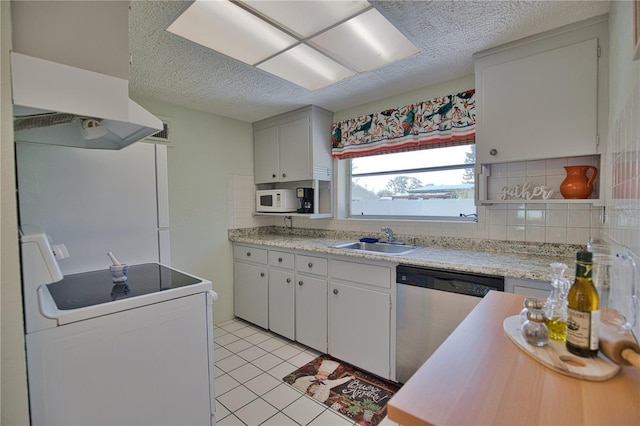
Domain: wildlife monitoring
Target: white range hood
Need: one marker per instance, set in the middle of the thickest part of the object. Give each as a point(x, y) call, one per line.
point(63, 105)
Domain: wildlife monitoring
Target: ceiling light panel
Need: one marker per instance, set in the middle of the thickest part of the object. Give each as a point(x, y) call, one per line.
point(365, 42)
point(307, 17)
point(231, 30)
point(306, 67)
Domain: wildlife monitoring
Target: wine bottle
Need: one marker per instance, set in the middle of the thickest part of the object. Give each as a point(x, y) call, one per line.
point(583, 316)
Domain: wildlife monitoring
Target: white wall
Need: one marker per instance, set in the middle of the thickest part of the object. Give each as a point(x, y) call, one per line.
point(623, 208)
point(207, 150)
point(50, 30)
point(13, 382)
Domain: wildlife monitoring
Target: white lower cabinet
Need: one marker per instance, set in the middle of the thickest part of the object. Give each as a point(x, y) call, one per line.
point(251, 285)
point(282, 303)
point(336, 306)
point(360, 327)
point(311, 312)
point(282, 293)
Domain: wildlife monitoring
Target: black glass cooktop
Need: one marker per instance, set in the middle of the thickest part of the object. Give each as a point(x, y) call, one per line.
point(97, 287)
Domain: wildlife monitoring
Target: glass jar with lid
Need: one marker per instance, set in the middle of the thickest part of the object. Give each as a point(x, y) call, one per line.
point(534, 329)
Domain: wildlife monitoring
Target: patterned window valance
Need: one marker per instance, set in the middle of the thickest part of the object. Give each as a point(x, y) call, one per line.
point(446, 121)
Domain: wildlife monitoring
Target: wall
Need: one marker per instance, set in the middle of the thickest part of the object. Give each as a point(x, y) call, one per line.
point(13, 380)
point(206, 152)
point(50, 29)
point(553, 223)
point(623, 207)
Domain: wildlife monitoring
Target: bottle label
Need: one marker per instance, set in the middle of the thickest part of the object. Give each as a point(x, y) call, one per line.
point(582, 328)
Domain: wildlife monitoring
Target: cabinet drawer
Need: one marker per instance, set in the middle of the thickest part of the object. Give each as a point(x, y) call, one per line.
point(281, 259)
point(378, 276)
point(311, 265)
point(250, 254)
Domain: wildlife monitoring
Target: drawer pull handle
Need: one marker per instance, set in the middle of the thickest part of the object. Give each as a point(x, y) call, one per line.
point(300, 283)
point(280, 260)
point(262, 274)
point(310, 265)
point(288, 280)
point(335, 291)
point(493, 151)
point(284, 175)
point(248, 253)
point(273, 175)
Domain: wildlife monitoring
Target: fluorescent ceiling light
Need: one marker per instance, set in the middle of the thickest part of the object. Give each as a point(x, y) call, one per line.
point(308, 42)
point(306, 67)
point(226, 28)
point(366, 42)
point(306, 18)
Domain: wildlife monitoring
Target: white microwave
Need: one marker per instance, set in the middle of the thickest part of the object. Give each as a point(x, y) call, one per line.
point(276, 200)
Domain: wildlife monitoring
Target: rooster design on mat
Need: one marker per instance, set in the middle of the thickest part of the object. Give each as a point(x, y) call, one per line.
point(318, 385)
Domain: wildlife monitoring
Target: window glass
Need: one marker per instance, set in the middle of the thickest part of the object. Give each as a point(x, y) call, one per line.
point(427, 184)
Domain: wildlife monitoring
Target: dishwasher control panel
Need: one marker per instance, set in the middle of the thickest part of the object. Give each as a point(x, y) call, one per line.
point(456, 282)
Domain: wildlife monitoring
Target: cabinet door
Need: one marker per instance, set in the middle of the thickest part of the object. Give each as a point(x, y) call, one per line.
point(265, 155)
point(539, 106)
point(282, 303)
point(360, 327)
point(295, 154)
point(250, 293)
point(311, 312)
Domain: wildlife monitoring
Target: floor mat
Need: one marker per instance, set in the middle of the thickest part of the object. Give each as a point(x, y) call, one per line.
point(359, 395)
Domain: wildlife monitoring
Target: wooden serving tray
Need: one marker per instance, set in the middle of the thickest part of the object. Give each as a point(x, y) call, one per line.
point(555, 356)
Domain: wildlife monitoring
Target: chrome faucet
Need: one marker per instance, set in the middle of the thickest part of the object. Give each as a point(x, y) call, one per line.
point(389, 233)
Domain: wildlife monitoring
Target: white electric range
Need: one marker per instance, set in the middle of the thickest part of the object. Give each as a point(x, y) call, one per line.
point(100, 352)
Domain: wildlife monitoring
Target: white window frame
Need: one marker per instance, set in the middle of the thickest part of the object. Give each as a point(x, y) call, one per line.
point(471, 217)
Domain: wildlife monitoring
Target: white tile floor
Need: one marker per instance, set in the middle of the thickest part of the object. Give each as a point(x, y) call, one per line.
point(250, 364)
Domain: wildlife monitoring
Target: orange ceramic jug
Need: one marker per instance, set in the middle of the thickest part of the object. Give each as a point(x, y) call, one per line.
point(577, 184)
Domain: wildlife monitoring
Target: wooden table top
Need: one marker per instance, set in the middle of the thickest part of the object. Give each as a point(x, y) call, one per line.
point(479, 377)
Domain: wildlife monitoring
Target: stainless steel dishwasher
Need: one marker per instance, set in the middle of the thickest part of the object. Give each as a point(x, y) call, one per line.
point(430, 304)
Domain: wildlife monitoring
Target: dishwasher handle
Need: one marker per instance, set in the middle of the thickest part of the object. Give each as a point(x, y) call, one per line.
point(464, 283)
point(455, 286)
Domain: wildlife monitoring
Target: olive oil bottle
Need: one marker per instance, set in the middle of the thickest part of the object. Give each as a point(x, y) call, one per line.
point(583, 316)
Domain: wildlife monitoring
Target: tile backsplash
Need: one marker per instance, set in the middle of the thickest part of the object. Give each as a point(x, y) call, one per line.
point(622, 217)
point(242, 204)
point(549, 173)
point(560, 223)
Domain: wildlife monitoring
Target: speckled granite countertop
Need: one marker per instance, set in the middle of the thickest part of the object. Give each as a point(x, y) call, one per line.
point(493, 258)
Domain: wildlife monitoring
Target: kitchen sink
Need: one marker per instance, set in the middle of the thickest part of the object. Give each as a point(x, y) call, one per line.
point(385, 248)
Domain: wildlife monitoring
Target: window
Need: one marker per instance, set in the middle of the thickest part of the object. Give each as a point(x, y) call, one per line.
point(433, 183)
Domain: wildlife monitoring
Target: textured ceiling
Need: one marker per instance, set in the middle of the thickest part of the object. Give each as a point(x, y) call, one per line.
point(170, 69)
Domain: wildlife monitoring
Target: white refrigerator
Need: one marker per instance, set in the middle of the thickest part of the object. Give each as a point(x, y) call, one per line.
point(95, 201)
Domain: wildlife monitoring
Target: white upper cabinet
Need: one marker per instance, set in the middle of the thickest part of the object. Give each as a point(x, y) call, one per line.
point(293, 146)
point(266, 155)
point(541, 97)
